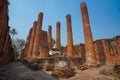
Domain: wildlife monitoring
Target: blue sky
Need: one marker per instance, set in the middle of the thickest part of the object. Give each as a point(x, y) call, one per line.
point(104, 17)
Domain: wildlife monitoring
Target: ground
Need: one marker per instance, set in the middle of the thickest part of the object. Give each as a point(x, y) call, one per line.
point(18, 71)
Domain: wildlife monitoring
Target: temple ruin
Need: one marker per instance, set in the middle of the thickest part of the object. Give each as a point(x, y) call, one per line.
point(104, 51)
point(39, 42)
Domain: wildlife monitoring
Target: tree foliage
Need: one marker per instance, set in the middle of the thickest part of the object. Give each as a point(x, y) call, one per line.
point(13, 32)
point(17, 44)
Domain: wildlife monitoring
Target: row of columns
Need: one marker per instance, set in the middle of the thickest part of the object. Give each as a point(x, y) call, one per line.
point(36, 31)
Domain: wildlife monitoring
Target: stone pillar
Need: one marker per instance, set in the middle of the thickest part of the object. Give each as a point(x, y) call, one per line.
point(90, 55)
point(70, 51)
point(50, 37)
point(32, 39)
point(37, 35)
point(58, 41)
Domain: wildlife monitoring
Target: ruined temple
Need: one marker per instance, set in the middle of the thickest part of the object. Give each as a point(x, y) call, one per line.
point(103, 51)
point(37, 41)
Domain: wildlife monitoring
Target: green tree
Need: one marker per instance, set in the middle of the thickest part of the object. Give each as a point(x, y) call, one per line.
point(13, 32)
point(18, 45)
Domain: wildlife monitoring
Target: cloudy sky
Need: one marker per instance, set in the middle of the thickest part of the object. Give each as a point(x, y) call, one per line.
point(104, 17)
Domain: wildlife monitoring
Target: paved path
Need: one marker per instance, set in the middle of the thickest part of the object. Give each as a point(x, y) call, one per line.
point(17, 71)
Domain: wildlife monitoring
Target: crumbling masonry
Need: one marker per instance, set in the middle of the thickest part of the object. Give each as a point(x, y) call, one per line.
point(90, 54)
point(35, 51)
point(104, 51)
point(6, 50)
point(50, 37)
point(70, 51)
point(58, 40)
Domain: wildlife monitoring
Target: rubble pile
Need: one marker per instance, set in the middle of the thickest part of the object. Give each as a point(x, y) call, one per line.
point(106, 72)
point(50, 67)
point(116, 70)
point(65, 72)
point(34, 64)
point(82, 67)
point(79, 63)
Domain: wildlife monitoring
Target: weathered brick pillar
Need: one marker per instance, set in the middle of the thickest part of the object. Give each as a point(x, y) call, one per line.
point(43, 44)
point(5, 50)
point(32, 39)
point(37, 35)
point(90, 55)
point(58, 41)
point(50, 37)
point(28, 42)
point(5, 40)
point(70, 51)
point(26, 47)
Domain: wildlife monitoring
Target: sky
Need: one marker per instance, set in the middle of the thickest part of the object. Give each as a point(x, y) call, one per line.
point(104, 17)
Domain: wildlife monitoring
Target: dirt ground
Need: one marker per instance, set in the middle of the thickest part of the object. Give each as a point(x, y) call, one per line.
point(91, 74)
point(17, 71)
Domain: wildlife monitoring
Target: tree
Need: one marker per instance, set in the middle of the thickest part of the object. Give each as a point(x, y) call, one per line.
point(18, 45)
point(13, 32)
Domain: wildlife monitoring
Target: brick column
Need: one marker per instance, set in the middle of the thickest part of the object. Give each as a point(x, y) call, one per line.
point(58, 41)
point(70, 51)
point(37, 35)
point(49, 37)
point(28, 42)
point(32, 39)
point(90, 55)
